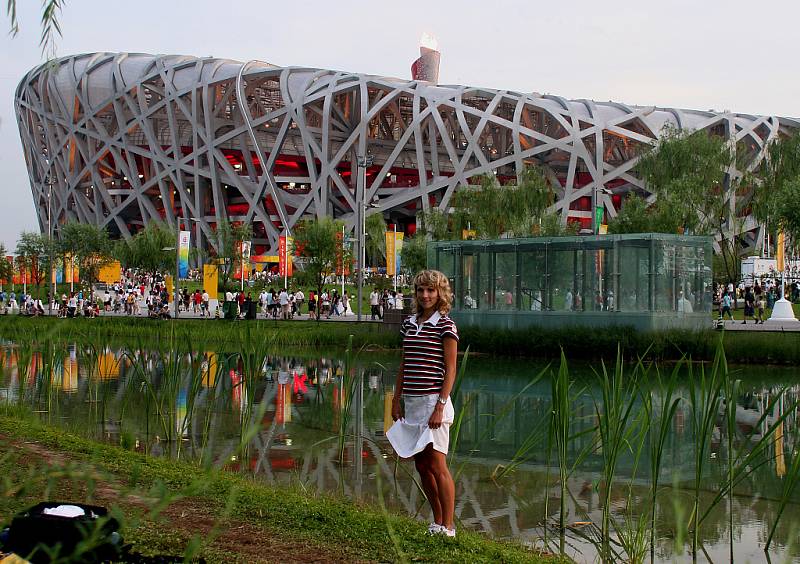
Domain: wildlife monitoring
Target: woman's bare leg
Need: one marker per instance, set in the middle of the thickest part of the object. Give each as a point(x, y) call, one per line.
point(423, 463)
point(446, 488)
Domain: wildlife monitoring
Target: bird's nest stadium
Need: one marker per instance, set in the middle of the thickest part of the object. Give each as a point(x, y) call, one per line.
point(123, 139)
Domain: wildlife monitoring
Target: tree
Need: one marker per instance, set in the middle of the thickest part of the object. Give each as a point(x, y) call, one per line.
point(51, 10)
point(145, 250)
point(414, 254)
point(6, 268)
point(316, 242)
point(33, 253)
point(686, 171)
point(787, 208)
point(492, 210)
point(550, 226)
point(434, 223)
point(228, 252)
point(777, 178)
point(89, 246)
point(375, 243)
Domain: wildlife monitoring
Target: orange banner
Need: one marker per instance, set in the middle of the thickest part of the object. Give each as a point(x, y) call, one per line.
point(284, 256)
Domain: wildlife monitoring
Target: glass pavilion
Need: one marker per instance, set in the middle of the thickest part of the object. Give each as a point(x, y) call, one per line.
point(644, 280)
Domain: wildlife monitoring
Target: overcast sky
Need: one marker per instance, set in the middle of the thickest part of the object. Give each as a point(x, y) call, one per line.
point(699, 54)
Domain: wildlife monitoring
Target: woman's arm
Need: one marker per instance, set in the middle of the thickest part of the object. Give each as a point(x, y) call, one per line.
point(450, 358)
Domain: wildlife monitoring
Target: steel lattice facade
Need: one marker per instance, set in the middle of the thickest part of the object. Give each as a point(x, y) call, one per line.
point(124, 139)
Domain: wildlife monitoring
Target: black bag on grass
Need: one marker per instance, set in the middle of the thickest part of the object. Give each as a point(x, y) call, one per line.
point(72, 531)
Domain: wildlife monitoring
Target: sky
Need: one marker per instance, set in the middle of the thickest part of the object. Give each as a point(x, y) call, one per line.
point(699, 54)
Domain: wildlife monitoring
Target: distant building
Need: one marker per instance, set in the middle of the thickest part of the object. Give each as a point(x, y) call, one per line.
point(128, 138)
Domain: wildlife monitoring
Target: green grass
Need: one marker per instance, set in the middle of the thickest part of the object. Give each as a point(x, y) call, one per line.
point(363, 532)
point(197, 331)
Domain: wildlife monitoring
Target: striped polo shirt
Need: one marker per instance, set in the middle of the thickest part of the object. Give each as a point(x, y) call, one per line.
point(423, 353)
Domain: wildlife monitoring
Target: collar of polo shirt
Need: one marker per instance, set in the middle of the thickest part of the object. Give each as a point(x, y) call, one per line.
point(433, 319)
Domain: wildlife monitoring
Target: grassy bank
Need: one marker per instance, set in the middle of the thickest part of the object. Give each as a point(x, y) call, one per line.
point(578, 343)
point(176, 508)
point(195, 332)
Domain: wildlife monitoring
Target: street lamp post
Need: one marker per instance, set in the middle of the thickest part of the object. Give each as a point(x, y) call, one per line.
point(363, 162)
point(50, 243)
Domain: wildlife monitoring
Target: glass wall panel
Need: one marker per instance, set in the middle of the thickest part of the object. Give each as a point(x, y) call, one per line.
point(468, 297)
point(634, 277)
point(565, 267)
point(505, 285)
point(666, 282)
point(659, 273)
point(445, 262)
point(533, 277)
point(598, 292)
point(485, 279)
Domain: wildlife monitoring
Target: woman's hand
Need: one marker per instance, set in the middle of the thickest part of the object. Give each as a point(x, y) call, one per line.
point(397, 411)
point(436, 417)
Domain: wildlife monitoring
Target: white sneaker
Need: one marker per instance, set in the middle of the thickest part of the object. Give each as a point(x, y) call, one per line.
point(448, 532)
point(436, 529)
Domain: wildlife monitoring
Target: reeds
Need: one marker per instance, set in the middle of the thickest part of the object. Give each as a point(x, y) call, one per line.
point(634, 412)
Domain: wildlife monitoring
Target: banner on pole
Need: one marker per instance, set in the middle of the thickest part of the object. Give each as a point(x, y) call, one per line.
point(211, 280)
point(779, 252)
point(598, 217)
point(244, 261)
point(342, 266)
point(183, 254)
point(398, 247)
point(390, 252)
point(394, 246)
point(284, 256)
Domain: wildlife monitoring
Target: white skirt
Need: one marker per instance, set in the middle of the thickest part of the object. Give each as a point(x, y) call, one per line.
point(411, 434)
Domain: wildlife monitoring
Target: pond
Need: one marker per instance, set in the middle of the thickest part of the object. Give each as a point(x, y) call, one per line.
point(319, 420)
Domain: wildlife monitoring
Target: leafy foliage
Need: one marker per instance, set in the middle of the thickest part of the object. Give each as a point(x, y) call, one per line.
point(315, 241)
point(780, 175)
point(228, 252)
point(434, 223)
point(33, 252)
point(89, 245)
point(414, 255)
point(686, 172)
point(6, 269)
point(51, 10)
point(375, 241)
point(493, 210)
point(146, 249)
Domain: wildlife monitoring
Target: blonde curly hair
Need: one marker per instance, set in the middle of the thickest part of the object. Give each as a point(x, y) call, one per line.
point(438, 280)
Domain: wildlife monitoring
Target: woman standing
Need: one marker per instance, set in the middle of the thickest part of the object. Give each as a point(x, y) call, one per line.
point(426, 377)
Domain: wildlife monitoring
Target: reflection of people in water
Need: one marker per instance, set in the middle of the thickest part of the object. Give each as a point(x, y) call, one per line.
point(426, 377)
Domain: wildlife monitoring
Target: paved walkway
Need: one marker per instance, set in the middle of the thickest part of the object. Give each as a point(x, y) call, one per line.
point(767, 326)
point(298, 317)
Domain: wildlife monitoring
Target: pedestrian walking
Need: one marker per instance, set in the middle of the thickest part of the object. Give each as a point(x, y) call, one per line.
point(726, 306)
point(760, 306)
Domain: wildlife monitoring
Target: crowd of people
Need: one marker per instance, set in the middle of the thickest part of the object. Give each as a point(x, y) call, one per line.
point(147, 295)
point(756, 298)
